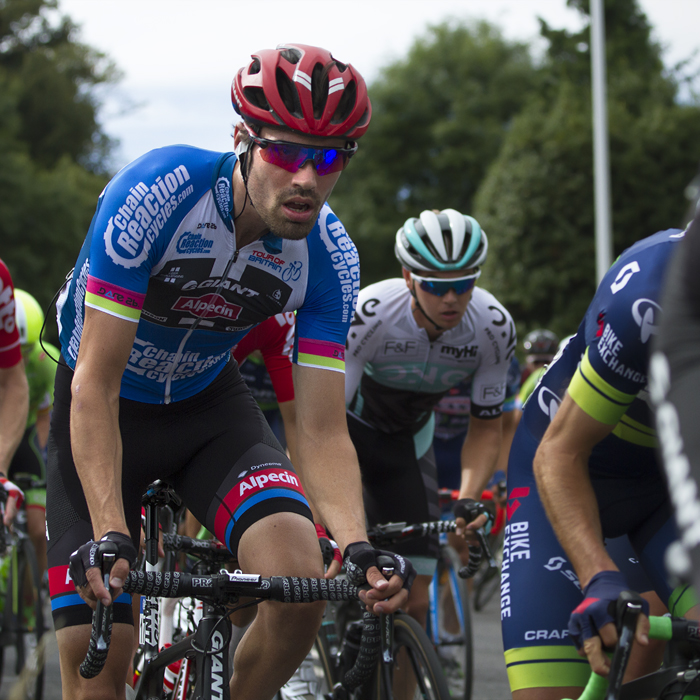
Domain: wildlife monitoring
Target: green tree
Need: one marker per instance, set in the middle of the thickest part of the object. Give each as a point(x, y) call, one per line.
point(439, 118)
point(54, 157)
point(537, 200)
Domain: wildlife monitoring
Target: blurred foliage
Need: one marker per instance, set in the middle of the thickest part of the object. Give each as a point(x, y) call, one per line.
point(54, 156)
point(537, 201)
point(439, 118)
point(469, 120)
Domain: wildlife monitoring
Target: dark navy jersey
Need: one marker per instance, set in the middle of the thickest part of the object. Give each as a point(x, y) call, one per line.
point(604, 366)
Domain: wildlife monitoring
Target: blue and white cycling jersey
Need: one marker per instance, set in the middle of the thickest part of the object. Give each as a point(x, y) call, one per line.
point(161, 252)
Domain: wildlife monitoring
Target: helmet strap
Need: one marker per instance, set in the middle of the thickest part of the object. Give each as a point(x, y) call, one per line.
point(422, 310)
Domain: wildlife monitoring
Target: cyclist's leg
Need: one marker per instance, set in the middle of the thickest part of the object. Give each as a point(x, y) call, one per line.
point(651, 542)
point(68, 527)
point(28, 460)
point(399, 481)
point(252, 500)
point(642, 659)
point(281, 635)
point(539, 589)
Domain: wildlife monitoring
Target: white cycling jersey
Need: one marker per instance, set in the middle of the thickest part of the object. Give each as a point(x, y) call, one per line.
point(395, 375)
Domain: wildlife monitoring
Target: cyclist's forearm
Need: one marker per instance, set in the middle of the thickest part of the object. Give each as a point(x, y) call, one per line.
point(97, 453)
point(331, 477)
point(14, 405)
point(570, 502)
point(479, 457)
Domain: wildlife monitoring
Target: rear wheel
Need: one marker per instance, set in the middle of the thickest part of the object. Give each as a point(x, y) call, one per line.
point(416, 673)
point(449, 625)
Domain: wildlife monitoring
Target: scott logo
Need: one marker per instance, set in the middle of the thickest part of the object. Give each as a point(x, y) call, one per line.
point(208, 306)
point(549, 402)
point(646, 313)
point(555, 563)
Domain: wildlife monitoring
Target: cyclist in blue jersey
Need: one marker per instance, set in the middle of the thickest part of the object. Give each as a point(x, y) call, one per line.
point(187, 251)
point(412, 339)
point(583, 474)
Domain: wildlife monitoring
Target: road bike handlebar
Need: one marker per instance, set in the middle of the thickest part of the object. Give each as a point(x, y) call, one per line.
point(662, 628)
point(206, 549)
point(223, 589)
point(390, 533)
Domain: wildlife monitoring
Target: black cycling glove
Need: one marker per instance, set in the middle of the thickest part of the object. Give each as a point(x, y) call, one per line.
point(361, 556)
point(469, 509)
point(85, 557)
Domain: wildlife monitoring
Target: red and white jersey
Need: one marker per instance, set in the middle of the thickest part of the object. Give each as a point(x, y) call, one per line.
point(10, 353)
point(275, 340)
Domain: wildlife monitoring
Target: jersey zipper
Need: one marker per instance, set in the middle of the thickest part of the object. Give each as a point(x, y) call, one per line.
point(181, 349)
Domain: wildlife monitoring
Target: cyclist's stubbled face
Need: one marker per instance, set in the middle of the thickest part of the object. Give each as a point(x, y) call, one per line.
point(446, 310)
point(289, 203)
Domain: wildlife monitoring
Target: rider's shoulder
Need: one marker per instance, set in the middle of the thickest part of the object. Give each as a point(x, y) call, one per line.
point(385, 291)
point(484, 302)
point(184, 162)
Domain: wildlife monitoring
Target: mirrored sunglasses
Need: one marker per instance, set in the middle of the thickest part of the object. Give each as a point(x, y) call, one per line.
point(292, 156)
point(439, 286)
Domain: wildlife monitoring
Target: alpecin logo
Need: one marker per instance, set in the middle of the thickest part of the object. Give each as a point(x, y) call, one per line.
point(208, 306)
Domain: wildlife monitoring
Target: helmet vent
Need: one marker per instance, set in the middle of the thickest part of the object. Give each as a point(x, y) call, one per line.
point(291, 55)
point(288, 93)
point(254, 67)
point(256, 95)
point(319, 81)
point(346, 104)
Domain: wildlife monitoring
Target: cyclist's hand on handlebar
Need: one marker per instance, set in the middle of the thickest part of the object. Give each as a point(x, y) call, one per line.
point(15, 498)
point(592, 623)
point(384, 596)
point(472, 515)
point(87, 577)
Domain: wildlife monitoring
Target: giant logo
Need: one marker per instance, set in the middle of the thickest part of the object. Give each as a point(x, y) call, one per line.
point(208, 306)
point(646, 314)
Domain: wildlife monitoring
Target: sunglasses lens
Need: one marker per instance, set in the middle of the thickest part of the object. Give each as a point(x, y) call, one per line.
point(284, 155)
point(291, 157)
point(331, 161)
point(441, 288)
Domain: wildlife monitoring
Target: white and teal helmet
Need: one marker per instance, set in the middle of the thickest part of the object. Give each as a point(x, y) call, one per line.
point(436, 241)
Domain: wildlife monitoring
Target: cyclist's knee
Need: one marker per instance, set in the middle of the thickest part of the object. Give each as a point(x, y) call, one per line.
point(281, 544)
point(301, 621)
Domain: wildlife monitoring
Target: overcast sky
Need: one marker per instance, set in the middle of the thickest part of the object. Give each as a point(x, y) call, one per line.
point(179, 56)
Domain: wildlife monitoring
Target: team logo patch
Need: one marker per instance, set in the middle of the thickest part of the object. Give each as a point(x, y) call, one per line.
point(208, 306)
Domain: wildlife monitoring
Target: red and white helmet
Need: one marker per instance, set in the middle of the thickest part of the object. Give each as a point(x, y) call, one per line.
point(305, 89)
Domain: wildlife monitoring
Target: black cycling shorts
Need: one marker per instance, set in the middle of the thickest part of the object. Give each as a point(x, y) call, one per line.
point(215, 448)
point(398, 485)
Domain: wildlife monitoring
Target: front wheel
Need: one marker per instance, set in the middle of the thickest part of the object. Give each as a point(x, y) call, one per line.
point(449, 624)
point(415, 673)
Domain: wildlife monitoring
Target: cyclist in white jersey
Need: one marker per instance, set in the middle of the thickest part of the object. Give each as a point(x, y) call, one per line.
point(187, 251)
point(411, 340)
